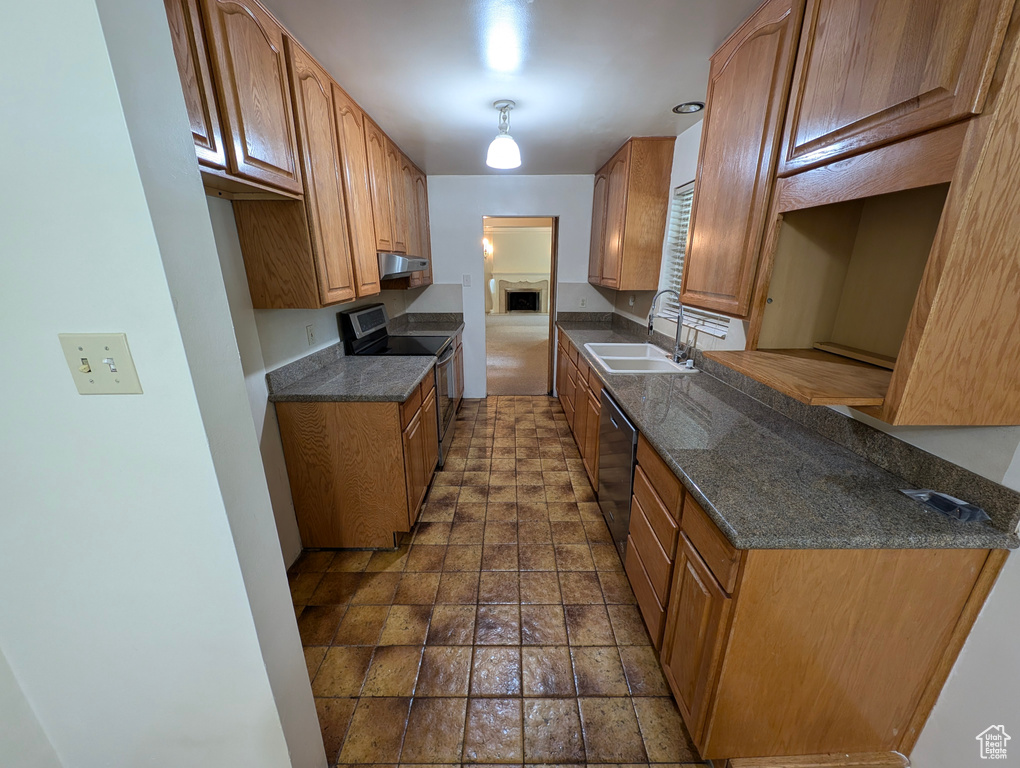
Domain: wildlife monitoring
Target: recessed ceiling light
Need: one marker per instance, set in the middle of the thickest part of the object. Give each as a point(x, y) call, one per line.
point(688, 107)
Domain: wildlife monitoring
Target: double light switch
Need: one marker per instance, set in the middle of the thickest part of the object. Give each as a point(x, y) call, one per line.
point(100, 363)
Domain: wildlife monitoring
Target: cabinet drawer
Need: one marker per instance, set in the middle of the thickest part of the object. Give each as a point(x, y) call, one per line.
point(660, 476)
point(583, 369)
point(572, 353)
point(427, 385)
point(594, 384)
point(651, 610)
point(410, 407)
point(655, 512)
point(721, 557)
point(563, 341)
point(658, 564)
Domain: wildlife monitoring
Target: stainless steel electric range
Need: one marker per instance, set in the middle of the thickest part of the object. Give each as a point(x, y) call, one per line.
point(364, 331)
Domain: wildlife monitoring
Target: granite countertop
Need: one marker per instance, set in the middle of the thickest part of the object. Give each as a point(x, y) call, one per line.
point(766, 480)
point(329, 376)
point(427, 324)
point(358, 379)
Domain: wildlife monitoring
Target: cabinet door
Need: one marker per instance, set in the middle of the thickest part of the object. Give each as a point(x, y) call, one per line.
point(458, 372)
point(350, 127)
point(873, 71)
point(748, 83)
point(590, 454)
point(598, 228)
point(580, 424)
point(422, 236)
point(414, 465)
point(561, 375)
point(379, 177)
point(694, 638)
point(616, 217)
point(430, 436)
point(323, 186)
point(398, 196)
point(185, 19)
point(251, 74)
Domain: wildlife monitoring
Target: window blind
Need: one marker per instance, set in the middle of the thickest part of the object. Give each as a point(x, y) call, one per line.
point(679, 221)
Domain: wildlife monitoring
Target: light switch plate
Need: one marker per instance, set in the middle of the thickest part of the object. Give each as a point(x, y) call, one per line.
point(100, 363)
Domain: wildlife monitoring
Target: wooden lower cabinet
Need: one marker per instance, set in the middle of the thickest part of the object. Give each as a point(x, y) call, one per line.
point(813, 651)
point(590, 451)
point(579, 423)
point(458, 372)
point(579, 392)
point(421, 453)
point(692, 649)
point(358, 472)
point(561, 373)
point(652, 543)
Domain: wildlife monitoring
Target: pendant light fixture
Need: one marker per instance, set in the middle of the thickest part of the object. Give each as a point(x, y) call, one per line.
point(503, 151)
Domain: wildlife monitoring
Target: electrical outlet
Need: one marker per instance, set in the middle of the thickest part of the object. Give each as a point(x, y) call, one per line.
point(310, 332)
point(467, 280)
point(584, 302)
point(630, 301)
point(100, 363)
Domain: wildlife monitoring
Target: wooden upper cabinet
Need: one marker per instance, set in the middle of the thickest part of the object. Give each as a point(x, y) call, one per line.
point(376, 145)
point(350, 127)
point(615, 219)
point(185, 19)
point(251, 73)
point(323, 186)
point(412, 241)
point(748, 83)
point(598, 228)
point(629, 215)
point(420, 198)
point(398, 189)
point(871, 72)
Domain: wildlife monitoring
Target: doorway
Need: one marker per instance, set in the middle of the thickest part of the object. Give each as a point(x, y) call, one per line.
point(519, 255)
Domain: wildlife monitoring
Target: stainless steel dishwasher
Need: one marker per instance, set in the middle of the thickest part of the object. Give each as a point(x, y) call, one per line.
point(617, 448)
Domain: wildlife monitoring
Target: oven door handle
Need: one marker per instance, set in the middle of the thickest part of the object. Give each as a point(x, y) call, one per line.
point(447, 355)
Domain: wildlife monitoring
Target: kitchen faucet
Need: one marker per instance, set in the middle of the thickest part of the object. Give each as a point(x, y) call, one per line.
point(678, 353)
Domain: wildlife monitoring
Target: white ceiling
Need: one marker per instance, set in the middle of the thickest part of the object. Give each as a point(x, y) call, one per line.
point(589, 73)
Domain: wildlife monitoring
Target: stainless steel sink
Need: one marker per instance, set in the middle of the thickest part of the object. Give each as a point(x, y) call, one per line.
point(635, 358)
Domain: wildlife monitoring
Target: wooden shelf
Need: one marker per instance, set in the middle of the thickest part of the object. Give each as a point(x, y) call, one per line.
point(872, 358)
point(811, 376)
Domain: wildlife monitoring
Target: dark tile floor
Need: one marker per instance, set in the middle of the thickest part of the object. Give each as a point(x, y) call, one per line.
point(502, 631)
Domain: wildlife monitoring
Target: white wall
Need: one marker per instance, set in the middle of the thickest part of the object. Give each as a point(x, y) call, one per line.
point(145, 69)
point(267, 429)
point(137, 642)
point(438, 297)
point(456, 207)
point(22, 741)
point(524, 251)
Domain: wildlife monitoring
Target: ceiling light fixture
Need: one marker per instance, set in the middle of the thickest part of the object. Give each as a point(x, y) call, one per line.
point(503, 151)
point(689, 107)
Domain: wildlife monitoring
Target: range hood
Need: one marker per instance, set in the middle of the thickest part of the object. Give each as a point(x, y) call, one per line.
point(398, 265)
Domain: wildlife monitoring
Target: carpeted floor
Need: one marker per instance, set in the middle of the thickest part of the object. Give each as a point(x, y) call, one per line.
point(517, 354)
